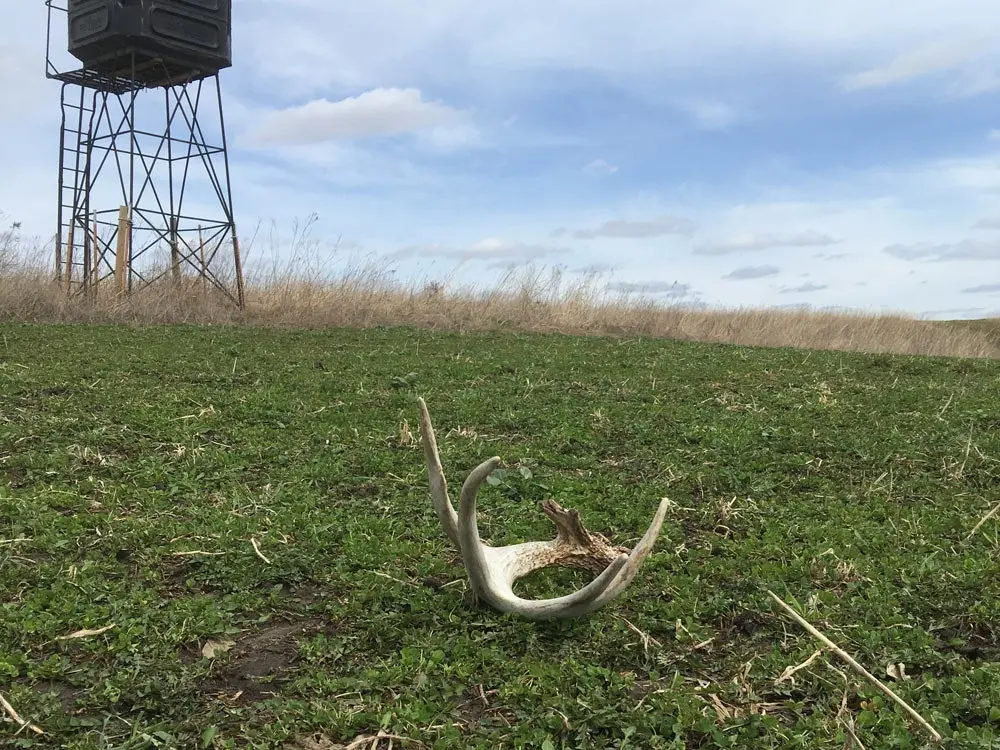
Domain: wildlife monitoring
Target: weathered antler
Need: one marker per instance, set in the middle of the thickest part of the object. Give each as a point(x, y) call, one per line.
point(493, 570)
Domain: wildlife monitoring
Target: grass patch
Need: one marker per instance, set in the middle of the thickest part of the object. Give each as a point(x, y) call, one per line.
point(138, 465)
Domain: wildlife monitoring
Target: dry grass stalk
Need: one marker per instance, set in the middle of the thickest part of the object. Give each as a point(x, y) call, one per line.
point(844, 717)
point(86, 633)
point(379, 741)
point(647, 639)
point(853, 663)
point(373, 742)
point(789, 671)
point(993, 511)
point(380, 574)
point(852, 742)
point(256, 549)
point(185, 553)
point(16, 718)
point(300, 293)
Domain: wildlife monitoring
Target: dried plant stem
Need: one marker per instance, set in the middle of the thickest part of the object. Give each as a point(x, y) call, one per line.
point(185, 553)
point(372, 741)
point(935, 735)
point(85, 633)
point(984, 519)
point(256, 548)
point(854, 741)
point(647, 639)
point(380, 574)
point(17, 717)
point(791, 670)
point(16, 540)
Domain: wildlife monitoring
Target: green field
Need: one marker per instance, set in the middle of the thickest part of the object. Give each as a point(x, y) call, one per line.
point(137, 465)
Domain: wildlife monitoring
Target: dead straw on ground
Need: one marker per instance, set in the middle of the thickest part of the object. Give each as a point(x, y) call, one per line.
point(299, 291)
point(856, 666)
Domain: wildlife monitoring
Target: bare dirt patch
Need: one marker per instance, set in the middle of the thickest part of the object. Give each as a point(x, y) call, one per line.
point(478, 706)
point(976, 642)
point(180, 576)
point(345, 493)
point(16, 477)
point(380, 740)
point(67, 694)
point(258, 665)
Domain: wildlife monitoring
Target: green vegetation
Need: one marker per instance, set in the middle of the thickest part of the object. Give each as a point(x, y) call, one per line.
point(137, 465)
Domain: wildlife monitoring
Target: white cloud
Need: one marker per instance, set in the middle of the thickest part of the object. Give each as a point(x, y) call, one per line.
point(378, 112)
point(321, 47)
point(669, 290)
point(983, 289)
point(623, 229)
point(599, 167)
point(711, 115)
point(964, 250)
point(751, 272)
point(447, 138)
point(756, 242)
point(959, 313)
point(994, 135)
point(989, 223)
point(595, 269)
point(974, 82)
point(915, 63)
point(492, 249)
point(977, 174)
point(503, 265)
point(806, 288)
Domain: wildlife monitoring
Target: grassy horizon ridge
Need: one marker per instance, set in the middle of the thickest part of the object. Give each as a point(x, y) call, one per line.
point(297, 282)
point(527, 299)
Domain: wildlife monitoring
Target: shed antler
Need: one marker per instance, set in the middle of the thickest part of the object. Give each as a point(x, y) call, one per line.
point(493, 570)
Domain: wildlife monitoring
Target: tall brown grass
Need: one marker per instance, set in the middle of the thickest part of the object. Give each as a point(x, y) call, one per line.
point(299, 293)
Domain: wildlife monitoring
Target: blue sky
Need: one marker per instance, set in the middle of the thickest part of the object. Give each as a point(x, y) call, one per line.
point(779, 152)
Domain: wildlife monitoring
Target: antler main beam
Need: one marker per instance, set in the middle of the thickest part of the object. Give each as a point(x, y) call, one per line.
point(492, 571)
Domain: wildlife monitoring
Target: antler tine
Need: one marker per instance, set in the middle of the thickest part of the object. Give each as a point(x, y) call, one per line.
point(490, 569)
point(631, 567)
point(435, 474)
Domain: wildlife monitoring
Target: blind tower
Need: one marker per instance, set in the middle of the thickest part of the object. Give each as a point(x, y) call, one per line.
point(144, 183)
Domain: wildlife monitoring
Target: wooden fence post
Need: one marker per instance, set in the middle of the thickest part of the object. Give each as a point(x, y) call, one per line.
point(96, 257)
point(122, 250)
point(68, 273)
